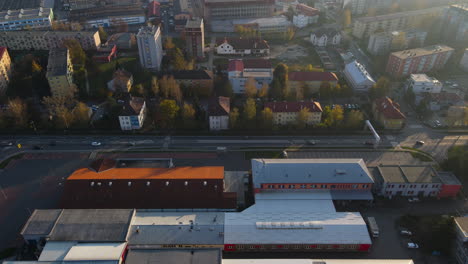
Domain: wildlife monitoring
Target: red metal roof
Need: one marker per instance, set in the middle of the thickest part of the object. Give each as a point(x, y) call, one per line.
point(293, 106)
point(312, 76)
point(389, 108)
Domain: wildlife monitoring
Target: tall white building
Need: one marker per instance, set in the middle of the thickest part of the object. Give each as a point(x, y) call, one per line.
point(357, 7)
point(358, 77)
point(383, 42)
point(421, 83)
point(150, 47)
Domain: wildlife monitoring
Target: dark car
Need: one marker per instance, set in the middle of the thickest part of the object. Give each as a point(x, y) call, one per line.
point(38, 147)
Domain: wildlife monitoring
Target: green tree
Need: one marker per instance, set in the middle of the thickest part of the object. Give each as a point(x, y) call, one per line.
point(325, 90)
point(102, 34)
point(18, 111)
point(280, 73)
point(168, 110)
point(250, 87)
point(333, 117)
point(275, 91)
point(354, 119)
point(267, 118)
point(410, 97)
point(302, 118)
point(250, 109)
point(233, 117)
point(155, 85)
point(77, 54)
point(381, 88)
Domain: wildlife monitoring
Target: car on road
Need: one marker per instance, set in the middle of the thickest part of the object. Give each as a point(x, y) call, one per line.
point(413, 199)
point(420, 142)
point(405, 232)
point(96, 143)
point(412, 245)
point(311, 142)
point(437, 123)
point(368, 142)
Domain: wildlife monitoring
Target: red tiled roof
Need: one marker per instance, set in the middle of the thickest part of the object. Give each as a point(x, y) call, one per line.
point(236, 65)
point(207, 172)
point(293, 106)
point(312, 76)
point(2, 50)
point(389, 108)
point(244, 43)
point(219, 106)
point(307, 10)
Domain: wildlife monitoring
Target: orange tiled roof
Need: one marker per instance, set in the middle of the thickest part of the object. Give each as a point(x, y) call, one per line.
point(149, 173)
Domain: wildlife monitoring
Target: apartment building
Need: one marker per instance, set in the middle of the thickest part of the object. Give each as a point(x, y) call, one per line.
point(133, 113)
point(218, 113)
point(383, 42)
point(59, 72)
point(357, 7)
point(5, 69)
point(150, 47)
point(239, 71)
point(419, 60)
point(286, 113)
point(455, 23)
point(461, 240)
point(358, 77)
point(46, 40)
point(364, 26)
point(25, 19)
point(194, 33)
point(421, 83)
point(227, 10)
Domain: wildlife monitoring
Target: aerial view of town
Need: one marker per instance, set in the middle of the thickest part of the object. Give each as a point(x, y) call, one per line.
point(234, 131)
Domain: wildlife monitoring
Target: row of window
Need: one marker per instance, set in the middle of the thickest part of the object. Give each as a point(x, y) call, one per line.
point(315, 186)
point(412, 186)
point(294, 247)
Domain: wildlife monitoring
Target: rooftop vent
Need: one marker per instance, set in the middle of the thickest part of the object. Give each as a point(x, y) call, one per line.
point(129, 184)
point(167, 183)
point(148, 183)
point(110, 183)
point(98, 184)
point(205, 183)
point(92, 183)
point(186, 183)
point(338, 171)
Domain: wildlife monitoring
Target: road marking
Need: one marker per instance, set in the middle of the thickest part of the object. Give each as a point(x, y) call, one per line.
point(3, 192)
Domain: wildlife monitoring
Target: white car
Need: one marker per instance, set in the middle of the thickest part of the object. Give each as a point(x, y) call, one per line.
point(405, 232)
point(412, 245)
point(413, 199)
point(95, 143)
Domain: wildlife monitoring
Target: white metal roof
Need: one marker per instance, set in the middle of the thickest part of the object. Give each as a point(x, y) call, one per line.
point(55, 251)
point(177, 218)
point(95, 252)
point(309, 171)
point(295, 228)
point(317, 261)
point(288, 205)
point(358, 72)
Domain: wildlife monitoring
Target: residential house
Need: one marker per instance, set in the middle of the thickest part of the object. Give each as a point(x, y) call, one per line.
point(438, 101)
point(358, 77)
point(325, 37)
point(59, 72)
point(421, 83)
point(218, 113)
point(305, 15)
point(414, 180)
point(286, 113)
point(242, 46)
point(121, 82)
point(387, 112)
point(5, 69)
point(133, 113)
point(460, 247)
point(239, 71)
point(200, 81)
point(311, 80)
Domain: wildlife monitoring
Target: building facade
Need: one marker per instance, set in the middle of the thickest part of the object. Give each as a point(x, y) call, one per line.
point(357, 7)
point(133, 113)
point(6, 68)
point(286, 113)
point(387, 112)
point(305, 15)
point(325, 37)
point(421, 83)
point(150, 47)
point(226, 10)
point(239, 71)
point(46, 40)
point(113, 15)
point(358, 77)
point(383, 42)
point(25, 19)
point(455, 23)
point(195, 37)
point(461, 240)
point(218, 113)
point(59, 72)
point(242, 46)
point(311, 80)
point(419, 60)
point(464, 61)
point(364, 26)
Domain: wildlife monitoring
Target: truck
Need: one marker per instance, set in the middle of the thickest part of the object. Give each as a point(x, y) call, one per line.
point(373, 228)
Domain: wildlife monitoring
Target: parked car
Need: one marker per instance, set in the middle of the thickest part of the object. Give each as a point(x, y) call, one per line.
point(311, 142)
point(405, 232)
point(437, 123)
point(420, 142)
point(413, 199)
point(95, 143)
point(412, 245)
point(38, 147)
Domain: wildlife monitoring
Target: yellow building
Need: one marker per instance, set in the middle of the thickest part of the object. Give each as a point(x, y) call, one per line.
point(285, 113)
point(5, 69)
point(59, 72)
point(388, 114)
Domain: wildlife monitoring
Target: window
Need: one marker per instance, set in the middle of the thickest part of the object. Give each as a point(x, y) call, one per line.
point(313, 186)
point(281, 186)
point(270, 186)
point(354, 186)
point(303, 186)
point(292, 186)
point(323, 186)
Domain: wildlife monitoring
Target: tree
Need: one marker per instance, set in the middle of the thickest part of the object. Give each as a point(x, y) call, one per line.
point(36, 67)
point(289, 34)
point(347, 18)
point(138, 90)
point(169, 44)
point(102, 33)
point(81, 115)
point(275, 91)
point(155, 85)
point(333, 117)
point(168, 110)
point(224, 86)
point(381, 88)
point(410, 97)
point(290, 13)
point(170, 88)
point(465, 116)
point(188, 115)
point(250, 87)
point(18, 111)
point(77, 54)
point(60, 109)
point(302, 118)
point(325, 90)
point(233, 117)
point(250, 109)
point(354, 119)
point(311, 68)
point(263, 91)
point(179, 62)
point(280, 73)
point(267, 118)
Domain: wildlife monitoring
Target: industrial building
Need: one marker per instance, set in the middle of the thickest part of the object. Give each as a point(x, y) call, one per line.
point(114, 184)
point(111, 15)
point(150, 47)
point(6, 68)
point(23, 19)
point(46, 40)
point(419, 60)
point(59, 72)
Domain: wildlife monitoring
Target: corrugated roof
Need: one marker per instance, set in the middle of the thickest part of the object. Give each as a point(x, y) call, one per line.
point(408, 174)
point(309, 171)
point(41, 222)
point(359, 73)
point(389, 108)
point(149, 173)
point(286, 107)
point(312, 76)
point(179, 256)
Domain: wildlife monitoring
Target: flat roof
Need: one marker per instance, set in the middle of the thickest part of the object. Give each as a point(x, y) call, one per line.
point(41, 222)
point(58, 62)
point(292, 202)
point(74, 251)
point(449, 178)
point(92, 225)
point(317, 261)
point(55, 251)
point(24, 14)
point(462, 224)
point(188, 173)
point(295, 228)
point(399, 15)
point(189, 228)
point(171, 256)
point(408, 174)
point(404, 54)
point(421, 78)
point(309, 171)
point(194, 23)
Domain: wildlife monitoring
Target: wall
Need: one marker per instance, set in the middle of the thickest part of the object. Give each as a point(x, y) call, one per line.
point(410, 189)
point(296, 247)
point(448, 190)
